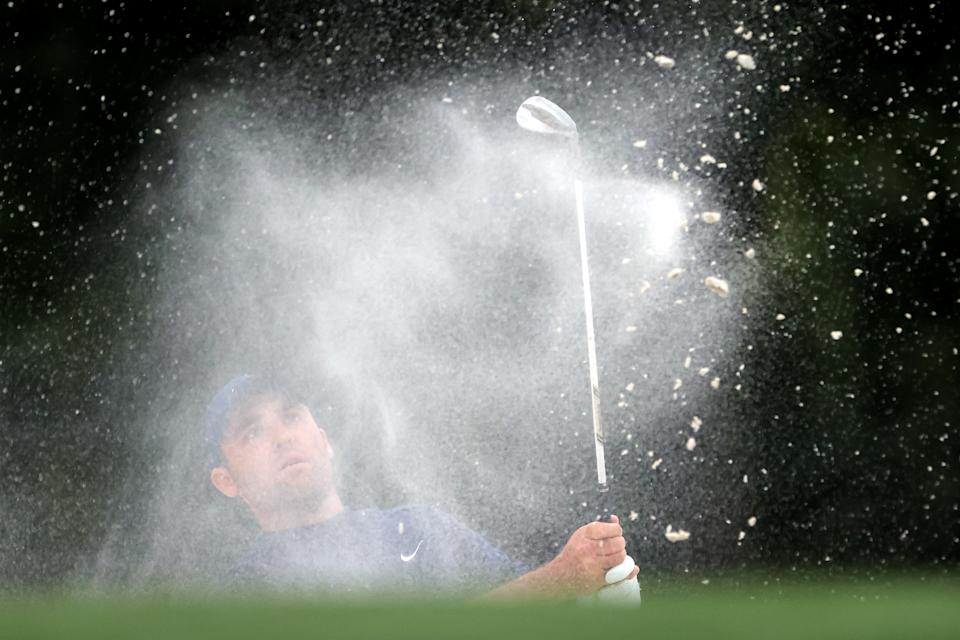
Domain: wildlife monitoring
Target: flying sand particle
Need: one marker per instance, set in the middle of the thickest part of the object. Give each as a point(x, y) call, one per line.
point(750, 253)
point(757, 185)
point(676, 536)
point(715, 383)
point(710, 217)
point(665, 62)
point(746, 61)
point(691, 443)
point(656, 463)
point(707, 159)
point(674, 273)
point(718, 286)
point(730, 55)
point(752, 521)
point(696, 423)
point(836, 335)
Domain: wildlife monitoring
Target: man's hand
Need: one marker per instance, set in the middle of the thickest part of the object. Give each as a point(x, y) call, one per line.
point(592, 549)
point(579, 569)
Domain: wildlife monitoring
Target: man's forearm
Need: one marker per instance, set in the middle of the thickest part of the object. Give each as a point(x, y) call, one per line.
point(543, 582)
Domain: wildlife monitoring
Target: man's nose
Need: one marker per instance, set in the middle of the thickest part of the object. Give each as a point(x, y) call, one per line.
point(282, 432)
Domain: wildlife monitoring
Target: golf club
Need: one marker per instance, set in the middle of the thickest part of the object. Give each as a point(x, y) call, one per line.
point(542, 116)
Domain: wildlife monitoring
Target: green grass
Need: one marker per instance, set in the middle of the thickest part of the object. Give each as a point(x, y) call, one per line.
point(721, 609)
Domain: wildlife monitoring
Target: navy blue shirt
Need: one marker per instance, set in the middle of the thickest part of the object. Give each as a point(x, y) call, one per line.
point(410, 548)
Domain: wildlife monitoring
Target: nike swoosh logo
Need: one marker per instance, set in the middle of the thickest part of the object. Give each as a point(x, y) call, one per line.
point(407, 558)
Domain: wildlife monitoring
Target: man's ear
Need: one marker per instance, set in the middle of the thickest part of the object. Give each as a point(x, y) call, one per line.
point(223, 481)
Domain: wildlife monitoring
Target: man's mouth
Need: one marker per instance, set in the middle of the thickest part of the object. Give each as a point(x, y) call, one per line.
point(293, 460)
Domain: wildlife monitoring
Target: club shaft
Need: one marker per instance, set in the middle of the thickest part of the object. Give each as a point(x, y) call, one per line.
point(591, 340)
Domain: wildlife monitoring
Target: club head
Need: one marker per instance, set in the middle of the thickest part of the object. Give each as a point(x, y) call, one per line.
point(539, 115)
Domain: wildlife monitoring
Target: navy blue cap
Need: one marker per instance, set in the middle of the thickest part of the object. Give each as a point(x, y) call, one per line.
point(218, 414)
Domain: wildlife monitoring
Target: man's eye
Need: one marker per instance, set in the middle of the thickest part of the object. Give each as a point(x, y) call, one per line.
point(252, 432)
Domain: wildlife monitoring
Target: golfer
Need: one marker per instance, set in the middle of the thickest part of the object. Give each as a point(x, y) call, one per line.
point(266, 449)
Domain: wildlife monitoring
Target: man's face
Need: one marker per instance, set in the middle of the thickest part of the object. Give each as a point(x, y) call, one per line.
point(275, 454)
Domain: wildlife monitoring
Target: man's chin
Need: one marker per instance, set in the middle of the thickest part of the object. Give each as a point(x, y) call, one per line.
point(302, 486)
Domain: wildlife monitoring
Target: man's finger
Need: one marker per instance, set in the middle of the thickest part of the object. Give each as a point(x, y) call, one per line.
point(611, 545)
point(602, 530)
point(612, 560)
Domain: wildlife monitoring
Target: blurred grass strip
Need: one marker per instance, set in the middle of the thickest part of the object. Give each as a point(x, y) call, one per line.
point(902, 610)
